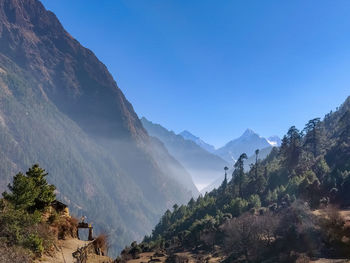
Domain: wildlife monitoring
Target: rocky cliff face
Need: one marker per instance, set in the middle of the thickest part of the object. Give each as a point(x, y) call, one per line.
point(60, 107)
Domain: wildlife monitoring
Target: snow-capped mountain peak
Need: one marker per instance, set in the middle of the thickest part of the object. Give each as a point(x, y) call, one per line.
point(247, 143)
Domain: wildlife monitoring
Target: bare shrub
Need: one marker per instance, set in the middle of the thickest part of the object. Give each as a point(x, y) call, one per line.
point(249, 235)
point(297, 230)
point(336, 233)
point(66, 227)
point(48, 236)
point(101, 244)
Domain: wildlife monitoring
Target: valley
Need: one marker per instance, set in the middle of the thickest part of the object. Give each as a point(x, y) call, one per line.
point(77, 155)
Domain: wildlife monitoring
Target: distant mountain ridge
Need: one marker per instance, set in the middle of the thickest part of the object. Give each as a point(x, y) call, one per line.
point(189, 136)
point(204, 166)
point(247, 143)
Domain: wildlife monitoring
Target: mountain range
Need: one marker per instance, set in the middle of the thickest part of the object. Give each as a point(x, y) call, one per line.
point(61, 108)
point(203, 166)
point(202, 161)
point(247, 143)
point(244, 144)
point(189, 136)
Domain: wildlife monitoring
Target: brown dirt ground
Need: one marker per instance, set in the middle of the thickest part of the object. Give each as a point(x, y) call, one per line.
point(65, 251)
point(145, 257)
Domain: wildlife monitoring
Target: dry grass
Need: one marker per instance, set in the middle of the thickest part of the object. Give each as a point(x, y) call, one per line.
point(66, 227)
point(101, 242)
point(14, 254)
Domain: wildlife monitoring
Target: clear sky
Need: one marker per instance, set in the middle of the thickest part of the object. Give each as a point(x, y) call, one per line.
point(216, 68)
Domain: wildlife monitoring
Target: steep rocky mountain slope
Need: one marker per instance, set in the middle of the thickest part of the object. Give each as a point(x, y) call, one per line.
point(60, 107)
point(204, 167)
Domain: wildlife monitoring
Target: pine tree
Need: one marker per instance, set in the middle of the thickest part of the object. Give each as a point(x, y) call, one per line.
point(23, 192)
point(238, 173)
point(291, 148)
point(31, 191)
point(46, 194)
point(224, 183)
point(313, 136)
point(256, 162)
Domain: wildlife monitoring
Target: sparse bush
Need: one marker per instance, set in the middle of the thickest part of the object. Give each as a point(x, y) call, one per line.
point(335, 233)
point(101, 243)
point(34, 243)
point(249, 235)
point(135, 251)
point(66, 227)
point(48, 236)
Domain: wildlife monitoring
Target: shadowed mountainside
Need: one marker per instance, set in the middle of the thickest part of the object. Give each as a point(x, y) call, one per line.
point(60, 107)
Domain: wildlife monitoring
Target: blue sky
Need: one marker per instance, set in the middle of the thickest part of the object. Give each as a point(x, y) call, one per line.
point(216, 68)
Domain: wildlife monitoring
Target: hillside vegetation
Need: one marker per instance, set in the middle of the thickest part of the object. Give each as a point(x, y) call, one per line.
point(35, 226)
point(265, 215)
point(60, 107)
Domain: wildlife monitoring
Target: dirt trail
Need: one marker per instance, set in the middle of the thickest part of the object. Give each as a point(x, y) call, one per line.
point(65, 251)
